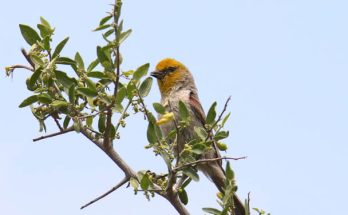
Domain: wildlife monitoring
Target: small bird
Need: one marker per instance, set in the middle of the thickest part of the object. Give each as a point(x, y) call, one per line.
point(176, 84)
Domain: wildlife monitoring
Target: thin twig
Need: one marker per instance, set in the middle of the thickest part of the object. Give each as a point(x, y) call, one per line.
point(107, 193)
point(27, 57)
point(122, 115)
point(58, 124)
point(18, 66)
point(54, 134)
point(206, 160)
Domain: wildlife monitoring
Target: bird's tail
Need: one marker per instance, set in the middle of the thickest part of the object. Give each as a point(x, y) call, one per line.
point(215, 172)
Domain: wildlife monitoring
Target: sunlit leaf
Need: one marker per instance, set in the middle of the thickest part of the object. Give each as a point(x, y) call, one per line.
point(60, 47)
point(29, 34)
point(28, 101)
point(211, 114)
point(141, 71)
point(87, 91)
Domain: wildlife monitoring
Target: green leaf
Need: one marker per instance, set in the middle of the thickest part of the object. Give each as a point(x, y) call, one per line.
point(45, 22)
point(134, 183)
point(124, 36)
point(89, 121)
point(198, 148)
point(225, 119)
point(66, 122)
point(91, 84)
point(121, 94)
point(34, 77)
point(96, 74)
point(145, 182)
point(151, 135)
point(92, 65)
point(108, 33)
point(72, 94)
point(87, 91)
point(64, 79)
point(101, 123)
point(130, 90)
point(187, 182)
point(159, 108)
point(221, 135)
point(229, 172)
point(191, 173)
point(211, 114)
point(183, 196)
point(29, 34)
point(145, 87)
point(79, 61)
point(102, 27)
point(59, 104)
point(183, 111)
point(37, 60)
point(201, 132)
point(60, 47)
point(105, 19)
point(141, 71)
point(44, 31)
point(28, 101)
point(66, 61)
point(103, 58)
point(44, 98)
point(212, 211)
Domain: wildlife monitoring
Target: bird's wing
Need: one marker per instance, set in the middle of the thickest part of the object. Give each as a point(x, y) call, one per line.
point(197, 108)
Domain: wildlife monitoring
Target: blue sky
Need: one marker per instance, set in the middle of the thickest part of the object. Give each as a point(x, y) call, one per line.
point(283, 62)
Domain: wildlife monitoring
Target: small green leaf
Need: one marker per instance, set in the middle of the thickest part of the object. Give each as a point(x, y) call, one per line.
point(45, 22)
point(151, 135)
point(44, 98)
point(183, 111)
point(28, 101)
point(102, 27)
point(121, 94)
point(64, 79)
point(44, 31)
point(201, 132)
point(89, 121)
point(72, 94)
point(92, 65)
point(134, 183)
point(229, 172)
point(159, 108)
point(221, 135)
point(66, 61)
point(96, 74)
point(101, 123)
point(145, 182)
point(79, 61)
point(59, 104)
point(198, 148)
point(131, 90)
point(29, 34)
point(191, 173)
point(141, 71)
point(91, 84)
point(183, 196)
point(225, 119)
point(37, 60)
point(105, 19)
point(211, 114)
point(60, 47)
point(108, 33)
point(34, 77)
point(145, 87)
point(187, 182)
point(87, 91)
point(66, 122)
point(212, 211)
point(103, 58)
point(124, 36)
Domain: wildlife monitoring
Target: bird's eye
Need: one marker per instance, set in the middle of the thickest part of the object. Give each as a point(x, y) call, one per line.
point(169, 69)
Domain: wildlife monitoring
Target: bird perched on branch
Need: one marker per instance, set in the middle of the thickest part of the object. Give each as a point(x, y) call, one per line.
point(176, 84)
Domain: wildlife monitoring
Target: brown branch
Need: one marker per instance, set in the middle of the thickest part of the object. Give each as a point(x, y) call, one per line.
point(206, 160)
point(10, 69)
point(122, 182)
point(27, 57)
point(54, 134)
point(57, 123)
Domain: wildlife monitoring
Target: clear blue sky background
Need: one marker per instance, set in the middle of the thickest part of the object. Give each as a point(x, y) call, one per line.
point(283, 62)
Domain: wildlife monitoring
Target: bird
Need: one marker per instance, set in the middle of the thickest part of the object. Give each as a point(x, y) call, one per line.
point(176, 83)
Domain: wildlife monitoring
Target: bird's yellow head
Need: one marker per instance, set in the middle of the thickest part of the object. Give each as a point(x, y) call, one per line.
point(169, 72)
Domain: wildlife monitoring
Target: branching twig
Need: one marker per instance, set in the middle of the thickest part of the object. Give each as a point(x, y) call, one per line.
point(122, 182)
point(27, 57)
point(54, 134)
point(206, 160)
point(57, 123)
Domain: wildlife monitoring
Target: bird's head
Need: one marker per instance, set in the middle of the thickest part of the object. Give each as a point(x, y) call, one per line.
point(170, 73)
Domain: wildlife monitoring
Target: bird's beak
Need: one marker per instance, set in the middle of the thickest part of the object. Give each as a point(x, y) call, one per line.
point(157, 74)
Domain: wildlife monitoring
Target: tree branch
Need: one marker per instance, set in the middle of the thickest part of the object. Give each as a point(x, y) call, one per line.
point(54, 134)
point(206, 160)
point(122, 182)
point(27, 57)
